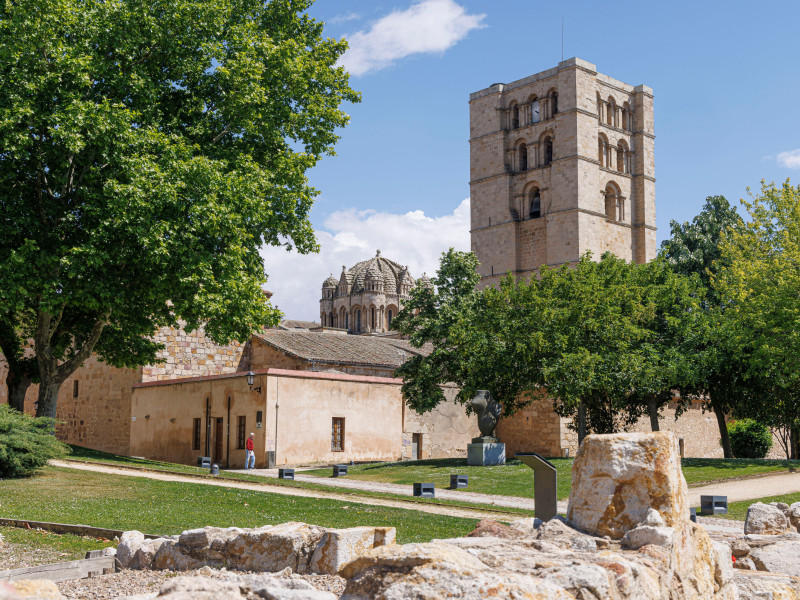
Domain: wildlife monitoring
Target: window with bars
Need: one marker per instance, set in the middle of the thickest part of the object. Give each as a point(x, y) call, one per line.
point(241, 436)
point(196, 434)
point(337, 434)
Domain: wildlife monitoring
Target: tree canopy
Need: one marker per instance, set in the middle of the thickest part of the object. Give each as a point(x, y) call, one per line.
point(604, 338)
point(147, 151)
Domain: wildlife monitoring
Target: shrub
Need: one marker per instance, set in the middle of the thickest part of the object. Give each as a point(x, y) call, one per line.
point(26, 443)
point(749, 439)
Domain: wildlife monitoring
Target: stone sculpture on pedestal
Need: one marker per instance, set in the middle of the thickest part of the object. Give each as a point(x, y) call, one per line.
point(487, 449)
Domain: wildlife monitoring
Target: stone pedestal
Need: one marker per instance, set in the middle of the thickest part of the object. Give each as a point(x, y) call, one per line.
point(486, 452)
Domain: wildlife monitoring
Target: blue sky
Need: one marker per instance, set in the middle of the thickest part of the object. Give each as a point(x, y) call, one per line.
point(727, 112)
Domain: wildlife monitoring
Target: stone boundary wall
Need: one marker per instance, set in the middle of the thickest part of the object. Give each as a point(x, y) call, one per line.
point(195, 355)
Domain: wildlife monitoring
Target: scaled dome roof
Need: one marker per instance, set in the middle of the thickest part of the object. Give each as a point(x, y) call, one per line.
point(393, 274)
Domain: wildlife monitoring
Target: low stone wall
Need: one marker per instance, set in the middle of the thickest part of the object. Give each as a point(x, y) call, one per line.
point(296, 546)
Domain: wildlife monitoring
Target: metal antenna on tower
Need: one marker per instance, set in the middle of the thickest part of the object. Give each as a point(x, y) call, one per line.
point(562, 38)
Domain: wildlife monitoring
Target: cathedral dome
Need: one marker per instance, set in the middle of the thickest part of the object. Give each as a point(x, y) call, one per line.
point(330, 282)
point(374, 270)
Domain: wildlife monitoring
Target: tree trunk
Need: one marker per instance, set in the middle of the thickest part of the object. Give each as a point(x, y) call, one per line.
point(793, 442)
point(48, 398)
point(723, 426)
point(652, 410)
point(18, 385)
point(581, 422)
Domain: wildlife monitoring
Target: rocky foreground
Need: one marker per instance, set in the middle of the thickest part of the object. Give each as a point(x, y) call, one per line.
point(627, 537)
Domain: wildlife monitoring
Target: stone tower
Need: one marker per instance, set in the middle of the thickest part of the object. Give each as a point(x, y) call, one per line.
point(561, 163)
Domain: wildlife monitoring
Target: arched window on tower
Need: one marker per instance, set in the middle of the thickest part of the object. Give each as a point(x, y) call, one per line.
point(535, 210)
point(389, 317)
point(602, 150)
point(515, 117)
point(622, 157)
point(627, 117)
point(553, 103)
point(523, 157)
point(548, 150)
point(614, 203)
point(358, 319)
point(612, 110)
point(372, 318)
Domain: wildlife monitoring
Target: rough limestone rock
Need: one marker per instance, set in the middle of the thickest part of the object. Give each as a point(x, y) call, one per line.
point(765, 519)
point(129, 543)
point(553, 564)
point(753, 585)
point(437, 570)
point(783, 556)
point(38, 589)
point(8, 592)
point(648, 534)
point(617, 478)
point(297, 546)
point(794, 515)
point(491, 528)
point(236, 587)
point(340, 546)
point(745, 563)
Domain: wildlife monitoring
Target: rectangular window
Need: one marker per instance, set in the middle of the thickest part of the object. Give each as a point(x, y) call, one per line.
point(75, 389)
point(337, 434)
point(196, 434)
point(241, 436)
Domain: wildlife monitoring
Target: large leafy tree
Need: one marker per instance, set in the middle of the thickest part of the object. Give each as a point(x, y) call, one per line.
point(759, 283)
point(477, 338)
point(695, 248)
point(147, 151)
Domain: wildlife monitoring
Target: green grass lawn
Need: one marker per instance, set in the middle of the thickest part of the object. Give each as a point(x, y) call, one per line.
point(510, 479)
point(50, 547)
point(161, 507)
point(515, 479)
point(97, 457)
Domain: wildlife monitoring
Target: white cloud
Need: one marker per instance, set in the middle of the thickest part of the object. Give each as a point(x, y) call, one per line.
point(428, 26)
point(350, 236)
point(790, 159)
point(351, 16)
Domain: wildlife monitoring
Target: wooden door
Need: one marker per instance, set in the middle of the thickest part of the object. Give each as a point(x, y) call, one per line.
point(218, 439)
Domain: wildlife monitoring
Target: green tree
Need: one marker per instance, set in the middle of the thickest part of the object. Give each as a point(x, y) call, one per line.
point(26, 443)
point(670, 326)
point(477, 338)
point(759, 284)
point(695, 249)
point(147, 151)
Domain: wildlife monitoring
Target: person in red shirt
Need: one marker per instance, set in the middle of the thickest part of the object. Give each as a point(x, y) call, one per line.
point(250, 461)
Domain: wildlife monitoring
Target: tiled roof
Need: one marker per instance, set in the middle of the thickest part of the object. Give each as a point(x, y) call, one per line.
point(342, 349)
point(294, 324)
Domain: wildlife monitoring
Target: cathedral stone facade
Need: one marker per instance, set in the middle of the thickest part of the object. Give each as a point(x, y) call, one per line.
point(366, 297)
point(561, 163)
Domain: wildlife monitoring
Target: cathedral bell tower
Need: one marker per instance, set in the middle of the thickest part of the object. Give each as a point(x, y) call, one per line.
point(561, 163)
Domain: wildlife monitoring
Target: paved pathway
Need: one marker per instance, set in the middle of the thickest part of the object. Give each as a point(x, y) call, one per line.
point(405, 489)
point(748, 489)
point(453, 511)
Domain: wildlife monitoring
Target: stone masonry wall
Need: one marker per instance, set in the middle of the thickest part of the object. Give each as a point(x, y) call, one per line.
point(195, 355)
point(535, 428)
point(445, 431)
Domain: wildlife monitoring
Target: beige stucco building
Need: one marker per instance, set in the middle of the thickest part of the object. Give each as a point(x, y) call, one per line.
point(561, 163)
point(319, 396)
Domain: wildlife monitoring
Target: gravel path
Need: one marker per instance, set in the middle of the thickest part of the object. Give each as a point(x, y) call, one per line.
point(748, 489)
point(467, 513)
point(129, 583)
